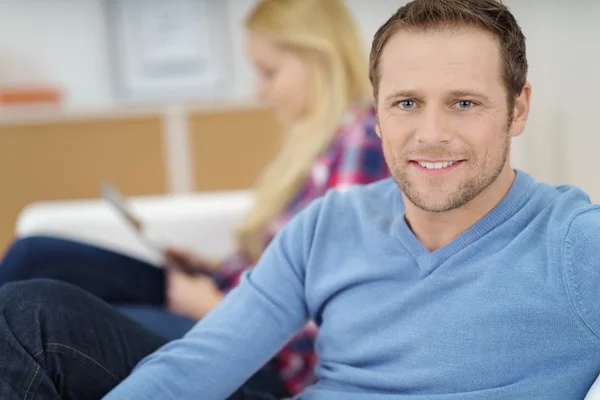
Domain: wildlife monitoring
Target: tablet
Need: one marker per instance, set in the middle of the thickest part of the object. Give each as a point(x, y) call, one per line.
point(117, 201)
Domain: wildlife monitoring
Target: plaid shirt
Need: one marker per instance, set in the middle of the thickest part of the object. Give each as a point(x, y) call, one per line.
point(354, 157)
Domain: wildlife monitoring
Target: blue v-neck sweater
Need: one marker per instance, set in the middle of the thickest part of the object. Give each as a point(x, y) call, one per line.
point(508, 310)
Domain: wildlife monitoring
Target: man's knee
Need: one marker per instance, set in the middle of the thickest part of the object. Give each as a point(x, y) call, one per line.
point(25, 305)
point(34, 293)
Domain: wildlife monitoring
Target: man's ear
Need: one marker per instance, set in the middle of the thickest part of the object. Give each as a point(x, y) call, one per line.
point(377, 127)
point(521, 111)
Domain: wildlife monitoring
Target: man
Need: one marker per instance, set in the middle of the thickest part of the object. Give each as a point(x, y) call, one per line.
point(458, 279)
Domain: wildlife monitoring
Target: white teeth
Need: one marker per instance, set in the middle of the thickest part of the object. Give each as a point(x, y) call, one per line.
point(436, 165)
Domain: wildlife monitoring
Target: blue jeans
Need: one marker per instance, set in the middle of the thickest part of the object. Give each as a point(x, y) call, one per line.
point(136, 288)
point(60, 342)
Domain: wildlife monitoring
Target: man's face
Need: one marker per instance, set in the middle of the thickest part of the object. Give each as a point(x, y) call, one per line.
point(443, 115)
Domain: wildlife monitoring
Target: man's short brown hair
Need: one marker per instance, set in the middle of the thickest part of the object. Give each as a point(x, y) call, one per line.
point(489, 15)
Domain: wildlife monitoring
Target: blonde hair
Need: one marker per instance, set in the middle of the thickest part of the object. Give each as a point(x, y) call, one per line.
point(323, 34)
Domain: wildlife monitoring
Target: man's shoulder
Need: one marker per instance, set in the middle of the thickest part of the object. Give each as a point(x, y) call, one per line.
point(584, 225)
point(383, 195)
point(580, 234)
point(572, 208)
point(581, 261)
point(357, 210)
point(581, 241)
point(566, 209)
point(348, 214)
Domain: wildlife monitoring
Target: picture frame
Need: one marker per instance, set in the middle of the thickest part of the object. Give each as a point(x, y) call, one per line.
point(169, 50)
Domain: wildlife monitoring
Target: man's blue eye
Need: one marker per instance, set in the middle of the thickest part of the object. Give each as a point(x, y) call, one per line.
point(407, 104)
point(464, 104)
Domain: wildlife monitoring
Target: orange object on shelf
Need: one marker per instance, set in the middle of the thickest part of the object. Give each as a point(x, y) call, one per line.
point(25, 96)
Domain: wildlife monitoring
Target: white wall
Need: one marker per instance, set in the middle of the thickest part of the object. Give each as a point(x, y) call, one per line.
point(58, 41)
point(562, 141)
point(65, 42)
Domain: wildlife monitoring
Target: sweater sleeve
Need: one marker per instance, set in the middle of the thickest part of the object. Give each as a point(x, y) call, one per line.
point(582, 267)
point(241, 334)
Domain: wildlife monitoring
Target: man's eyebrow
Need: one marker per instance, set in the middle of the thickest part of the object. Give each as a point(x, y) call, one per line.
point(470, 93)
point(402, 94)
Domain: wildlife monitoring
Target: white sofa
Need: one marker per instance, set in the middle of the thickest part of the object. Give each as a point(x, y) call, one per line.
point(200, 222)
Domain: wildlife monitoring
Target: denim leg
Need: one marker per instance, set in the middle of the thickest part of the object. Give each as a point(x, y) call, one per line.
point(166, 324)
point(111, 276)
point(59, 342)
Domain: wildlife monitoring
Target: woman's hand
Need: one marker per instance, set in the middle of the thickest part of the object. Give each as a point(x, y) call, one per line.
point(187, 261)
point(191, 296)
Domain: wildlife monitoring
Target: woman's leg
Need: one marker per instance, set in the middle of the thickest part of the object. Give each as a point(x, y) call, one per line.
point(59, 342)
point(160, 321)
point(111, 276)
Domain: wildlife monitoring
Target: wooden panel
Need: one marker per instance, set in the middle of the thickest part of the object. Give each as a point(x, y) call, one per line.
point(67, 160)
point(231, 148)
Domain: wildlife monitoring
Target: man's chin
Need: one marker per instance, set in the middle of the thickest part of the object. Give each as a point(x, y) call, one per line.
point(432, 200)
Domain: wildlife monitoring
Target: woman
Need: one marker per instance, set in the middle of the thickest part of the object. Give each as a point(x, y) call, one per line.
point(312, 73)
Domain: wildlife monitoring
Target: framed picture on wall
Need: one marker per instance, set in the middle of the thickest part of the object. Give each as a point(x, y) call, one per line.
point(169, 50)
